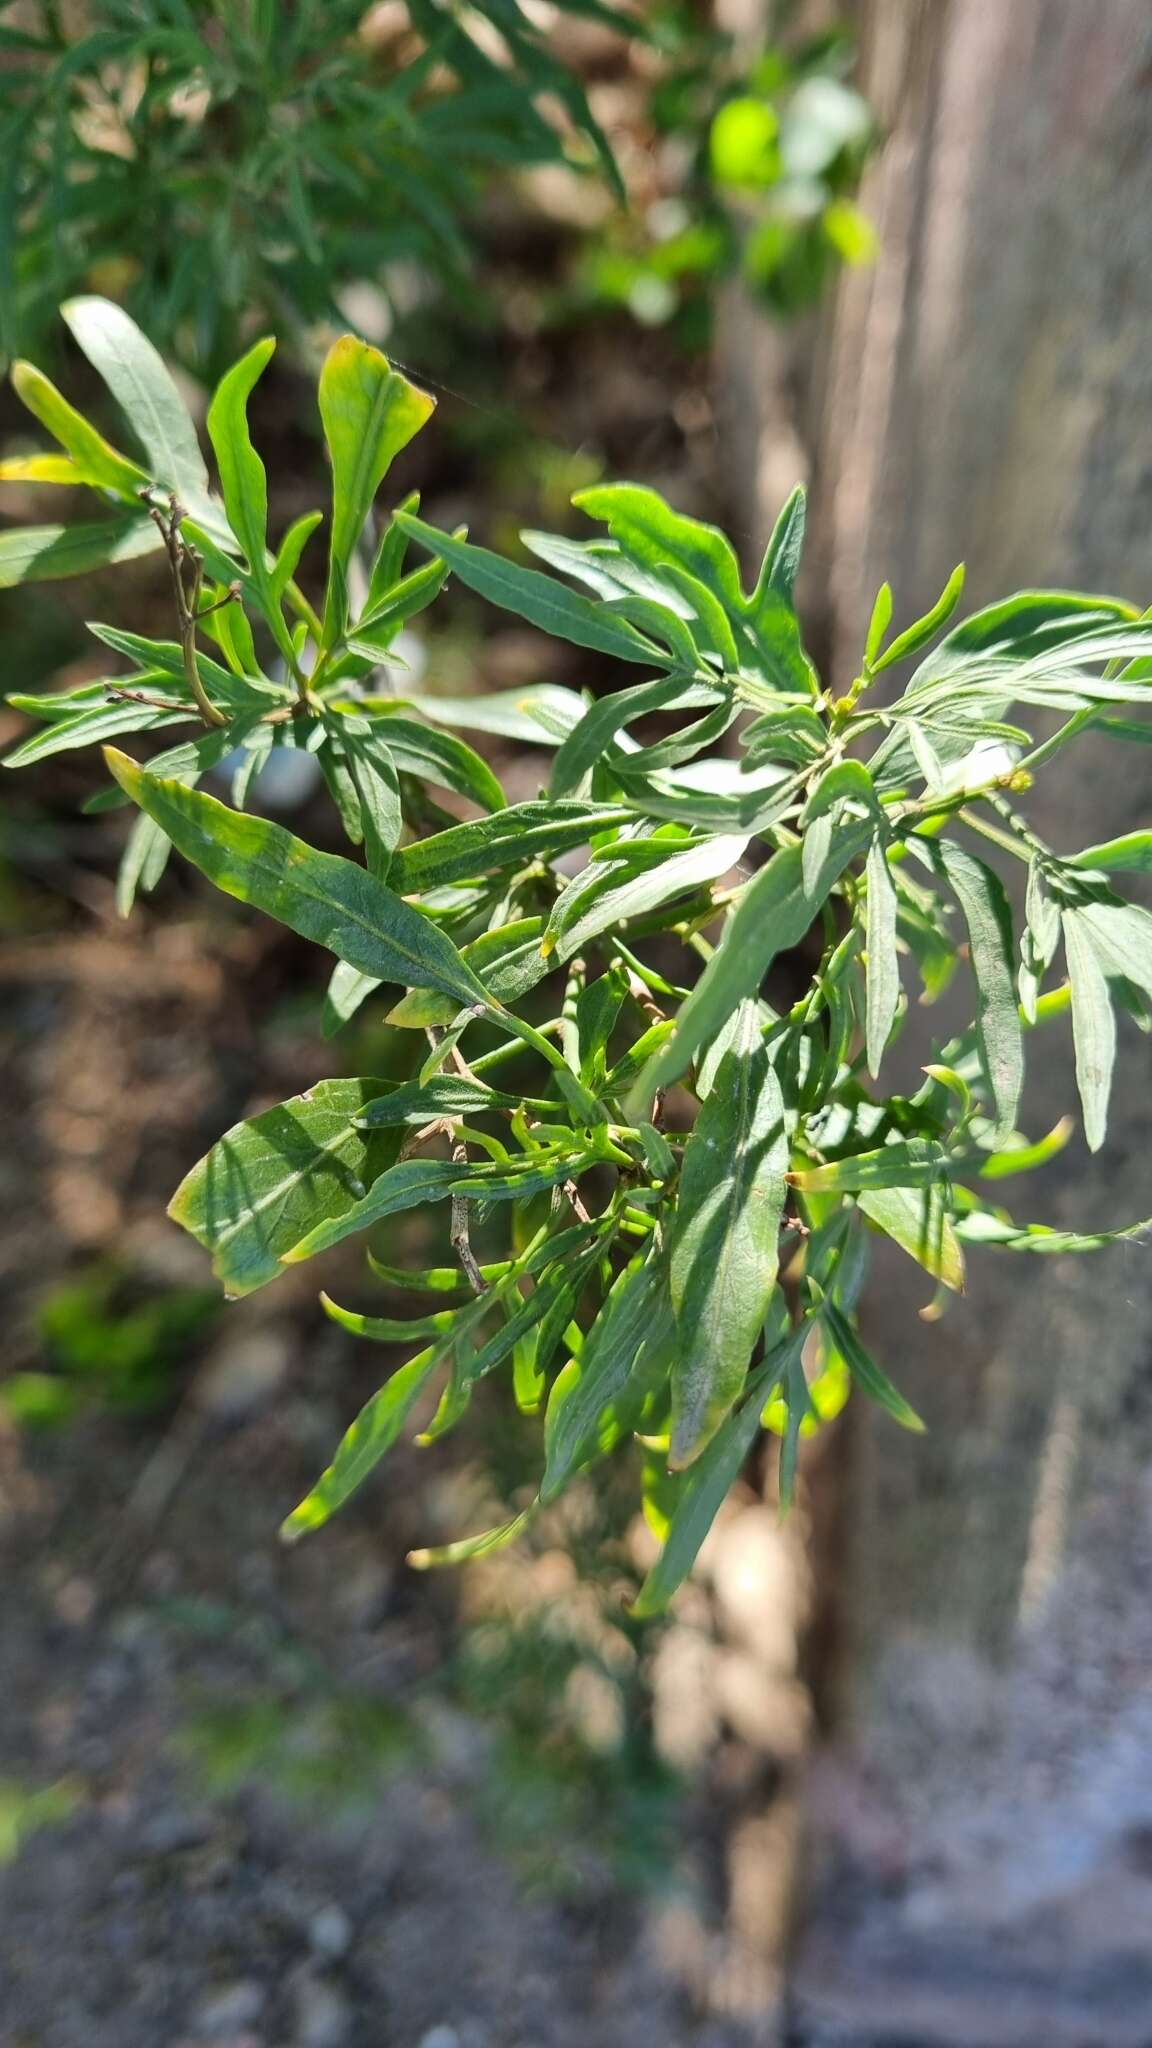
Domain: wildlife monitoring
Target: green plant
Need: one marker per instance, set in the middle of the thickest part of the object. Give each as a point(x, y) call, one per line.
point(107, 1342)
point(227, 158)
point(682, 1173)
point(772, 154)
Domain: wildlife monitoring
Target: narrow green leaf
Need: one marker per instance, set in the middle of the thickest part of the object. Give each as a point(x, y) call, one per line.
point(587, 744)
point(1040, 938)
point(539, 599)
point(323, 897)
point(845, 782)
point(243, 692)
point(1026, 1158)
point(585, 1395)
point(878, 624)
point(378, 789)
point(905, 1163)
point(272, 1178)
point(369, 413)
point(918, 635)
point(390, 1329)
point(708, 1482)
point(608, 891)
point(988, 916)
point(434, 756)
point(919, 1223)
point(996, 1231)
point(882, 989)
point(1093, 1027)
point(723, 1251)
point(773, 914)
point(509, 838)
point(470, 1547)
point(1133, 850)
point(431, 1180)
point(103, 722)
point(95, 459)
point(291, 548)
point(866, 1372)
point(781, 564)
point(656, 537)
point(242, 475)
point(446, 1095)
point(508, 961)
point(374, 1432)
point(146, 393)
point(45, 554)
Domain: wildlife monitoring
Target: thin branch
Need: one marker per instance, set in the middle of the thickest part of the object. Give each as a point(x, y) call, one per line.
point(458, 1231)
point(187, 609)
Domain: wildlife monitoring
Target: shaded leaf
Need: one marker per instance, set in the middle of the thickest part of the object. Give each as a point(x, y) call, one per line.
point(374, 1432)
point(773, 914)
point(723, 1250)
point(1093, 1028)
point(271, 1179)
point(919, 1223)
point(866, 1372)
point(580, 1406)
point(45, 554)
point(988, 916)
point(706, 1485)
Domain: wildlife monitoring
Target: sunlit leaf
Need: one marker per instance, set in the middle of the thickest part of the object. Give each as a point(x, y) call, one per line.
point(539, 599)
point(369, 412)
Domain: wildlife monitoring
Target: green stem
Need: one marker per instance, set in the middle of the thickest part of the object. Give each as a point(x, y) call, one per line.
point(1068, 731)
point(993, 833)
point(573, 1090)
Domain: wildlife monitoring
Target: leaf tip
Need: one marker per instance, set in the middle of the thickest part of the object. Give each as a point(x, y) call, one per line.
point(126, 771)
